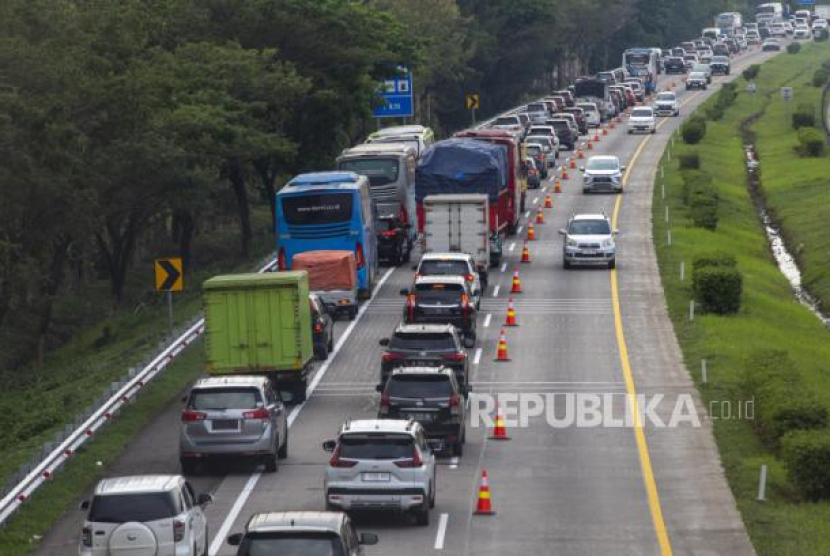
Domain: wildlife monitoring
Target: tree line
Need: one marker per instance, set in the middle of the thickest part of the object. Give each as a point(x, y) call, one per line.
point(122, 122)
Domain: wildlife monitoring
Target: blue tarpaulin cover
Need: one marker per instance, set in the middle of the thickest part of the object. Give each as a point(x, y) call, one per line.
point(462, 166)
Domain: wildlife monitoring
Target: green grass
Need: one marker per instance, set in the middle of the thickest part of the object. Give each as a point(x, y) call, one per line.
point(769, 317)
point(76, 374)
point(48, 504)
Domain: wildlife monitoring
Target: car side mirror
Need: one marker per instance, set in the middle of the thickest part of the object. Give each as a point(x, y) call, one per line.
point(404, 291)
point(204, 499)
point(383, 342)
point(562, 232)
point(184, 399)
point(368, 539)
point(582, 168)
point(414, 267)
point(616, 232)
point(235, 539)
point(84, 505)
point(329, 445)
point(622, 168)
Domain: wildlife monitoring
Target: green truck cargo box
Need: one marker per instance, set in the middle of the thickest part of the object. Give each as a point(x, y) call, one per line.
point(259, 323)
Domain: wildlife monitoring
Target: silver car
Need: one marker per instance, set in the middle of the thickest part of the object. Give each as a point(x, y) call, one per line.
point(145, 514)
point(589, 240)
point(383, 465)
point(602, 173)
point(233, 416)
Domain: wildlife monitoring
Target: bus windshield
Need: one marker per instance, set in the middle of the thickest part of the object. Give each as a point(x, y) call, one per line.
point(380, 171)
point(315, 209)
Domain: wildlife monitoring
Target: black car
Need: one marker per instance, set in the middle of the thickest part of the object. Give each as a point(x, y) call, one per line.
point(720, 49)
point(675, 65)
point(322, 328)
point(563, 132)
point(431, 396)
point(442, 300)
point(424, 345)
point(720, 65)
point(394, 240)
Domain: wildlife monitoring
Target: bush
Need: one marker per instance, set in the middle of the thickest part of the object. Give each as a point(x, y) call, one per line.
point(820, 77)
point(704, 209)
point(782, 404)
point(714, 112)
point(714, 259)
point(813, 142)
point(804, 116)
point(807, 456)
point(694, 180)
point(689, 161)
point(717, 289)
point(794, 48)
point(751, 72)
point(825, 65)
point(694, 130)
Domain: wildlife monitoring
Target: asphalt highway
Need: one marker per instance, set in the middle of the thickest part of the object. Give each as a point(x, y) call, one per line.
point(565, 491)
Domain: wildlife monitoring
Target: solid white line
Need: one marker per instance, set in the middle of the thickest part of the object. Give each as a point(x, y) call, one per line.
point(487, 320)
point(496, 291)
point(512, 246)
point(230, 519)
point(454, 461)
point(477, 357)
point(503, 267)
point(442, 530)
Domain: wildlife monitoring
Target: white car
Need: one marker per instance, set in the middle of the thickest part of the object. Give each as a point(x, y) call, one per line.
point(603, 173)
point(589, 240)
point(642, 119)
point(665, 104)
point(145, 514)
point(454, 264)
point(802, 32)
point(592, 114)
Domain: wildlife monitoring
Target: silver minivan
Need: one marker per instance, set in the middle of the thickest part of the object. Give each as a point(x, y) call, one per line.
point(233, 416)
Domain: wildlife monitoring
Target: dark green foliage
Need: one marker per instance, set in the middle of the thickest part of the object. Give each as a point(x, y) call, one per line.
point(720, 259)
point(694, 130)
point(820, 77)
point(751, 72)
point(718, 289)
point(689, 161)
point(804, 116)
point(812, 142)
point(703, 207)
point(782, 404)
point(694, 181)
point(807, 456)
point(793, 48)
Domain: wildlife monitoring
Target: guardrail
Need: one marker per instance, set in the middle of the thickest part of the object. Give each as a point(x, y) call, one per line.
point(55, 454)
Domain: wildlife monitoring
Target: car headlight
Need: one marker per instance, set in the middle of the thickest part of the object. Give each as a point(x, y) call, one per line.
point(608, 243)
point(571, 242)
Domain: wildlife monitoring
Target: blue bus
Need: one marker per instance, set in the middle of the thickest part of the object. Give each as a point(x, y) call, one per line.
point(328, 211)
point(642, 63)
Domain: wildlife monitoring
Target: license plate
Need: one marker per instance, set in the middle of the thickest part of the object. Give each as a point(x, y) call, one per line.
point(421, 416)
point(422, 362)
point(225, 424)
point(589, 252)
point(375, 477)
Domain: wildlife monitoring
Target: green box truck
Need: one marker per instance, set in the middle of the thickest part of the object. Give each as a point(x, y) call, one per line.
point(260, 323)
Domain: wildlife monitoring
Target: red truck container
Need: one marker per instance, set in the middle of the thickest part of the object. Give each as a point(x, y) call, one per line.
point(515, 181)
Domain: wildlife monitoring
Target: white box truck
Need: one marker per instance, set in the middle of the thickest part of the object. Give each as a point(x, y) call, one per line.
point(460, 223)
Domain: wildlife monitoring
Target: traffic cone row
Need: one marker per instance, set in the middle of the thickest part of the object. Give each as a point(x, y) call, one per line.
point(525, 254)
point(557, 186)
point(579, 154)
point(572, 164)
point(605, 131)
point(548, 201)
point(564, 173)
point(590, 145)
point(499, 430)
point(531, 232)
point(484, 505)
point(501, 351)
point(511, 314)
point(540, 216)
point(516, 286)
point(596, 137)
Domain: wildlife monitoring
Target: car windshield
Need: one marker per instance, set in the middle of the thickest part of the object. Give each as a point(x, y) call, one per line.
point(312, 544)
point(506, 121)
point(533, 150)
point(589, 228)
point(444, 293)
point(441, 341)
point(224, 398)
point(603, 164)
point(720, 60)
point(437, 267)
point(666, 97)
point(419, 386)
point(701, 68)
point(588, 108)
point(641, 113)
point(544, 141)
point(376, 446)
point(125, 508)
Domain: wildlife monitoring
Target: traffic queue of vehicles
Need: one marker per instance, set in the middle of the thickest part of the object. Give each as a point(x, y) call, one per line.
point(455, 201)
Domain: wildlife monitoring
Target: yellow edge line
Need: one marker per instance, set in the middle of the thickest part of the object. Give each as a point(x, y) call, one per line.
point(631, 389)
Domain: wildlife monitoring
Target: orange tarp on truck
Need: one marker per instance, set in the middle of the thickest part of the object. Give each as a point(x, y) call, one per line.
point(327, 270)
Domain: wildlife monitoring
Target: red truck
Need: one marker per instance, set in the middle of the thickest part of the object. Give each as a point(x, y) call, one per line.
point(515, 180)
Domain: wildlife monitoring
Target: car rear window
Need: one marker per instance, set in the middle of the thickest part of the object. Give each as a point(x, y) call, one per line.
point(507, 121)
point(319, 544)
point(642, 113)
point(423, 341)
point(434, 267)
point(380, 446)
point(224, 398)
point(419, 386)
point(124, 508)
point(589, 227)
point(439, 292)
point(536, 107)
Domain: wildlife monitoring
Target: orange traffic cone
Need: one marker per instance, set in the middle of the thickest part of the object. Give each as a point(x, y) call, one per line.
point(605, 131)
point(501, 351)
point(590, 146)
point(579, 154)
point(540, 216)
point(564, 173)
point(596, 137)
point(517, 284)
point(499, 431)
point(548, 200)
point(525, 253)
point(611, 125)
point(557, 187)
point(572, 164)
point(484, 505)
point(531, 232)
point(511, 313)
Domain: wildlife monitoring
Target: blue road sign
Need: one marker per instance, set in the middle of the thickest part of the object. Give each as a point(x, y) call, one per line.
point(396, 94)
point(807, 2)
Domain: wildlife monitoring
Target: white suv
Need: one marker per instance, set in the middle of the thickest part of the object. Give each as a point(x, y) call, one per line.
point(381, 464)
point(153, 515)
point(589, 240)
point(603, 173)
point(665, 104)
point(455, 264)
point(642, 119)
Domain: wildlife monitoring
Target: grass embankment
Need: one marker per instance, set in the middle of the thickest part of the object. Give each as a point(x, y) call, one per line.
point(769, 316)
